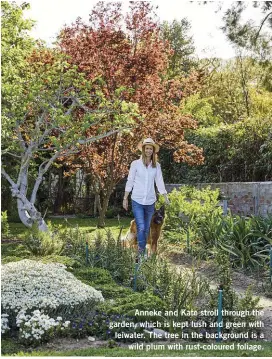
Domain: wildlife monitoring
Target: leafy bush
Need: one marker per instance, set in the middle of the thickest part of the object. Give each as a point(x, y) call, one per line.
point(246, 239)
point(109, 254)
point(10, 346)
point(74, 241)
point(42, 243)
point(48, 287)
point(189, 208)
point(127, 305)
point(94, 275)
point(231, 300)
point(154, 275)
point(5, 232)
point(112, 212)
point(113, 291)
point(230, 152)
point(177, 290)
point(5, 260)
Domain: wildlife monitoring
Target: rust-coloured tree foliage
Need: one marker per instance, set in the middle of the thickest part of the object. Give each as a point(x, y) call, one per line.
point(127, 52)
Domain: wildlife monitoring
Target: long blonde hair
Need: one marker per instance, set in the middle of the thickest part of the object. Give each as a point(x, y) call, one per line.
point(154, 157)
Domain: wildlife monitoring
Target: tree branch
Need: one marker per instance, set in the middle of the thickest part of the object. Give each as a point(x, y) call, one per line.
point(90, 140)
point(7, 177)
point(260, 28)
point(42, 170)
point(5, 152)
point(19, 135)
point(22, 177)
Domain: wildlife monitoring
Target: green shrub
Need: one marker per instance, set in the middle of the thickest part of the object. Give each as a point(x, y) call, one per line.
point(74, 241)
point(112, 291)
point(112, 212)
point(189, 208)
point(108, 253)
point(189, 204)
point(15, 249)
point(8, 259)
point(127, 305)
point(178, 290)
point(154, 275)
point(10, 346)
point(247, 246)
point(5, 232)
point(43, 243)
point(94, 275)
point(245, 239)
point(231, 300)
point(101, 280)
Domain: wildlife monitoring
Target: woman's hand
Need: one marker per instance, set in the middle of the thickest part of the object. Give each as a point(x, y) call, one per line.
point(166, 199)
point(125, 204)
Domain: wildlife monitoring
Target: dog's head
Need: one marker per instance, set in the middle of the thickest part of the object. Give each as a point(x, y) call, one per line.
point(158, 216)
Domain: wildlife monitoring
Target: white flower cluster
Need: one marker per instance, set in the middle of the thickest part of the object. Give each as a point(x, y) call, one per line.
point(28, 284)
point(4, 323)
point(36, 327)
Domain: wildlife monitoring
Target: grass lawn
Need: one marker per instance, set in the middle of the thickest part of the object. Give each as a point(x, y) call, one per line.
point(88, 225)
point(122, 352)
point(15, 248)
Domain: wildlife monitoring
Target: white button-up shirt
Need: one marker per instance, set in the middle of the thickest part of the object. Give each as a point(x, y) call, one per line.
point(141, 179)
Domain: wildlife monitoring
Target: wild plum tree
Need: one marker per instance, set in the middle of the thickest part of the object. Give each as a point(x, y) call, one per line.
point(128, 51)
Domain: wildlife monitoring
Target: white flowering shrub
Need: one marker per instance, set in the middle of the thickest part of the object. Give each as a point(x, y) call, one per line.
point(4, 323)
point(39, 327)
point(28, 285)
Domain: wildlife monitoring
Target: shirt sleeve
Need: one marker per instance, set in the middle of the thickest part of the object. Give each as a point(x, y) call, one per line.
point(131, 177)
point(159, 180)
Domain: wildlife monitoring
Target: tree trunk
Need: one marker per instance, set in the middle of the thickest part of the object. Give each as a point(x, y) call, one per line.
point(96, 201)
point(59, 195)
point(29, 215)
point(27, 211)
point(103, 208)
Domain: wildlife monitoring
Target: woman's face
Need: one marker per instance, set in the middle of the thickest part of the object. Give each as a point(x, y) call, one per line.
point(148, 150)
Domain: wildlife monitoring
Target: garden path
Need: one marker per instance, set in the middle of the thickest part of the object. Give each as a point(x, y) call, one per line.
point(240, 282)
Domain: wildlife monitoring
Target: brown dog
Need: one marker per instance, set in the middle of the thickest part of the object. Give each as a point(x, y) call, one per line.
point(130, 239)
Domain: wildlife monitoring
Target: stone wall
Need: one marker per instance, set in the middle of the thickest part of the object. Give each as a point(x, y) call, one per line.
point(243, 197)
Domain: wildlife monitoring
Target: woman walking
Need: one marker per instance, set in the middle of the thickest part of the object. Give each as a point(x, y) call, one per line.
point(143, 174)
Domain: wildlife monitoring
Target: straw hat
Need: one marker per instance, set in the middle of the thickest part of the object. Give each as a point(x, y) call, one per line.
point(149, 141)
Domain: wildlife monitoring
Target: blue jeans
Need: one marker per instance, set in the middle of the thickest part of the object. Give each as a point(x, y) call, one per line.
point(143, 215)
